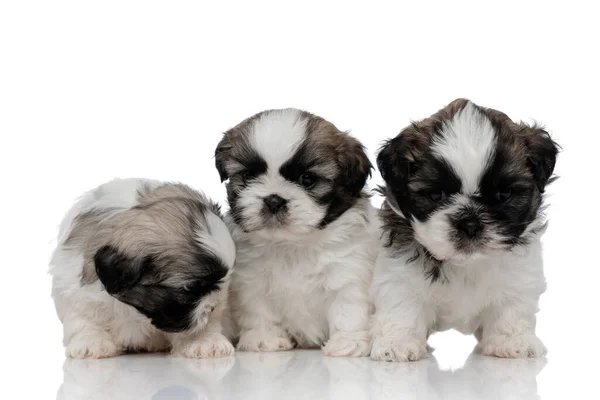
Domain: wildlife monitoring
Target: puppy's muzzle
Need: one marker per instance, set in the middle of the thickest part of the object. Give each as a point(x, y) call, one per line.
point(274, 203)
point(468, 224)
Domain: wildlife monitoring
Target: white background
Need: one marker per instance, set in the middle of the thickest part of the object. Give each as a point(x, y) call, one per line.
point(94, 90)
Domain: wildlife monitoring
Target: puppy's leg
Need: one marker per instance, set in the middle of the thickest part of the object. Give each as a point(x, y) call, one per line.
point(401, 319)
point(260, 328)
point(399, 333)
point(86, 339)
point(208, 342)
point(508, 331)
point(349, 323)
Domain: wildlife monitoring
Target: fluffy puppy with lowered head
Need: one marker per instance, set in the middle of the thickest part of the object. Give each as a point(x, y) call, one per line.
point(145, 266)
point(304, 233)
point(462, 223)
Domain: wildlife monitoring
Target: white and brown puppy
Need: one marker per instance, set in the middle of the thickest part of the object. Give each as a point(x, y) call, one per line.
point(143, 265)
point(304, 232)
point(462, 224)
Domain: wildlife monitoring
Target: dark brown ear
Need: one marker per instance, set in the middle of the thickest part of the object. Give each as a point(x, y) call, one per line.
point(355, 167)
point(542, 153)
point(391, 162)
point(118, 272)
point(221, 154)
point(397, 157)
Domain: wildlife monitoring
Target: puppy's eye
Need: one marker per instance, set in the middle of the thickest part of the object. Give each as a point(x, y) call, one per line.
point(503, 195)
point(438, 197)
point(246, 176)
point(308, 180)
point(189, 287)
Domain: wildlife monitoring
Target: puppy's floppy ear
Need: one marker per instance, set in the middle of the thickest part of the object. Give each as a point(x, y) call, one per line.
point(392, 165)
point(355, 167)
point(118, 272)
point(221, 154)
point(396, 157)
point(542, 153)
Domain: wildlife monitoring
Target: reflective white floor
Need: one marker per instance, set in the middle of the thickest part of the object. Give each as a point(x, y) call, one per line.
point(300, 374)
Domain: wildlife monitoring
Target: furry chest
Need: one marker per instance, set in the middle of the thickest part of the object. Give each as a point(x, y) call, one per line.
point(457, 304)
point(298, 291)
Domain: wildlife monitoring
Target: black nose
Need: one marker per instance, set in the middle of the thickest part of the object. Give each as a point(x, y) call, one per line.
point(274, 202)
point(470, 226)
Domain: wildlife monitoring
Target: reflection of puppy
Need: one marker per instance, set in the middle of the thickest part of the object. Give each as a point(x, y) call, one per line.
point(300, 374)
point(462, 225)
point(142, 265)
point(502, 377)
point(274, 376)
point(480, 378)
point(303, 229)
point(144, 377)
point(349, 378)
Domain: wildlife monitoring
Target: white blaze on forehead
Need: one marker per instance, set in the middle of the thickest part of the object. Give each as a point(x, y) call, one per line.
point(277, 135)
point(466, 143)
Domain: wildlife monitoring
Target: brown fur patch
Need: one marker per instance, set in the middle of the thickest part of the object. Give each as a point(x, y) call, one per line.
point(163, 222)
point(328, 143)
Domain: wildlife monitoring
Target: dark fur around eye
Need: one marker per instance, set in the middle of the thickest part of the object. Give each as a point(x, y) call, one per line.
point(308, 180)
point(503, 195)
point(253, 168)
point(438, 196)
point(436, 183)
point(343, 192)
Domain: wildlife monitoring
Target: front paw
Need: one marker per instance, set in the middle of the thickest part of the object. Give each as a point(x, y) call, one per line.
point(399, 349)
point(91, 347)
point(348, 344)
point(209, 345)
point(518, 346)
point(263, 340)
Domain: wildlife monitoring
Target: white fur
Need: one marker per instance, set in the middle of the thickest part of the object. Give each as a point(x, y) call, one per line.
point(497, 293)
point(96, 325)
point(218, 239)
point(434, 234)
point(312, 289)
point(304, 213)
point(277, 136)
point(119, 194)
point(466, 143)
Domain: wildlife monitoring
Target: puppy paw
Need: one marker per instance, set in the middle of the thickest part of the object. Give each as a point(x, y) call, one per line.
point(209, 345)
point(348, 344)
point(519, 346)
point(399, 349)
point(261, 340)
point(90, 347)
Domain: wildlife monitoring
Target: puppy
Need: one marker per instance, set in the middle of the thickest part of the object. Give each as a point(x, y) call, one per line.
point(461, 228)
point(142, 265)
point(304, 231)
